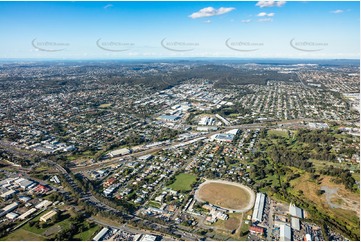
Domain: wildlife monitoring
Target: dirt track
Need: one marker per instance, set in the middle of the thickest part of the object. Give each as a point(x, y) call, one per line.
point(222, 196)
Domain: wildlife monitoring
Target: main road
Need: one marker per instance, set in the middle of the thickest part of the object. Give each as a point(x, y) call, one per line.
point(167, 146)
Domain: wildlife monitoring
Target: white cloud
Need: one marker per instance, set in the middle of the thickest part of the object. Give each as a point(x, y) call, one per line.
point(265, 20)
point(210, 11)
point(337, 11)
point(263, 14)
point(208, 21)
point(265, 4)
point(108, 6)
point(246, 21)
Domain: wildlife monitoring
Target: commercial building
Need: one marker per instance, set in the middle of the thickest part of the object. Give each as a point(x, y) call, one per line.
point(285, 233)
point(8, 194)
point(256, 230)
point(169, 118)
point(24, 183)
point(295, 224)
point(233, 131)
point(258, 207)
point(101, 234)
point(148, 237)
point(225, 121)
point(123, 151)
point(207, 128)
point(223, 137)
point(206, 121)
point(41, 189)
point(24, 199)
point(27, 214)
point(145, 157)
point(12, 215)
point(8, 208)
point(295, 211)
point(48, 216)
point(55, 179)
point(43, 204)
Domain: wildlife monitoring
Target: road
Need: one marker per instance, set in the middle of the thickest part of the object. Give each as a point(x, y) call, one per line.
point(113, 160)
point(270, 221)
point(131, 230)
point(154, 150)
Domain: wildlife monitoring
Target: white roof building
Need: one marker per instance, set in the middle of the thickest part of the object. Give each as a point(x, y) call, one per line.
point(123, 151)
point(258, 207)
point(24, 183)
point(27, 213)
point(8, 194)
point(55, 179)
point(43, 204)
point(233, 131)
point(8, 208)
point(148, 237)
point(295, 211)
point(101, 234)
point(295, 224)
point(285, 233)
point(24, 199)
point(12, 215)
point(308, 237)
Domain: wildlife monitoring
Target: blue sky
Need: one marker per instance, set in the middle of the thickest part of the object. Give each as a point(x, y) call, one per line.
point(82, 30)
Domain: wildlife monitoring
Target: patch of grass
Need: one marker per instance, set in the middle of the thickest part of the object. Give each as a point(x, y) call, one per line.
point(154, 204)
point(278, 132)
point(183, 182)
point(88, 234)
point(356, 176)
point(33, 229)
point(65, 224)
point(320, 164)
point(21, 235)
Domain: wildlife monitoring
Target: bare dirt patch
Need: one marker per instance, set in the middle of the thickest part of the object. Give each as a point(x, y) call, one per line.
point(232, 223)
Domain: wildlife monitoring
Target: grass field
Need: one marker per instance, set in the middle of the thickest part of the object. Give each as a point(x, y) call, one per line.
point(89, 234)
point(319, 165)
point(154, 204)
point(33, 229)
point(48, 231)
point(278, 132)
point(224, 195)
point(23, 235)
point(183, 182)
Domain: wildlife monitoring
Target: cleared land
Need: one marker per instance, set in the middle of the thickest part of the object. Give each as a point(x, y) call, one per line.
point(228, 195)
point(337, 201)
point(183, 182)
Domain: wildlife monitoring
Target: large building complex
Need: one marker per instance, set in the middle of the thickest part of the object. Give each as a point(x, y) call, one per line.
point(258, 207)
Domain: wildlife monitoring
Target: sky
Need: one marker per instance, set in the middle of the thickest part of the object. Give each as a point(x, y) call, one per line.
point(131, 30)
